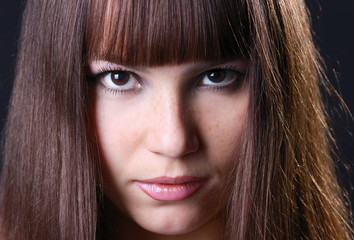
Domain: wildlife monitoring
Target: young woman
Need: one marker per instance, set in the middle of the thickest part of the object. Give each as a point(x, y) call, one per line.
point(168, 120)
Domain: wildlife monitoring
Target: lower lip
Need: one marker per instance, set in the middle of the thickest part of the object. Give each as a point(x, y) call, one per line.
point(170, 192)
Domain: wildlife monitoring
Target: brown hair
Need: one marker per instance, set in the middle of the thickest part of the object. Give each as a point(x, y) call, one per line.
point(283, 188)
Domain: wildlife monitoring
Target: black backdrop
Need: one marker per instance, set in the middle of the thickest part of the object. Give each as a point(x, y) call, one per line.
point(333, 22)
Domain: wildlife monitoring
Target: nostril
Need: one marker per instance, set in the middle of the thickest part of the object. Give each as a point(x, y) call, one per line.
point(194, 144)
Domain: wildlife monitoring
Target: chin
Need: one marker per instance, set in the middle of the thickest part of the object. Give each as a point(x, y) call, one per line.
point(168, 227)
point(175, 220)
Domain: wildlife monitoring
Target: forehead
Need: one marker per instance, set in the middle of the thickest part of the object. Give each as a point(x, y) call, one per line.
point(152, 33)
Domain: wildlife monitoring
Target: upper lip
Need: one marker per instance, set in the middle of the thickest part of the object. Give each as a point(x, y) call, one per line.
point(173, 180)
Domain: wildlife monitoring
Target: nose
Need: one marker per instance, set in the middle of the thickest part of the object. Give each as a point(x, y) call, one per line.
point(171, 132)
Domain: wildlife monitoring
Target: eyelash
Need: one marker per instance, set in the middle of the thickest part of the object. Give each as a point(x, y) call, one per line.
point(240, 77)
point(103, 71)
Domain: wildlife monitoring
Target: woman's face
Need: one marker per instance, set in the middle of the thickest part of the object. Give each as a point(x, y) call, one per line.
point(168, 138)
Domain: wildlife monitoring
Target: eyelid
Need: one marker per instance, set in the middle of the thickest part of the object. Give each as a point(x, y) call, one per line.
point(100, 68)
point(109, 68)
point(104, 71)
point(240, 76)
point(226, 66)
point(97, 66)
point(238, 65)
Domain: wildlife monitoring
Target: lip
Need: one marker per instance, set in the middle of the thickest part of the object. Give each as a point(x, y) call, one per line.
point(171, 189)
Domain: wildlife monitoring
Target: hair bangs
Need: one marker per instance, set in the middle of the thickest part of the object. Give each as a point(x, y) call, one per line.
point(152, 33)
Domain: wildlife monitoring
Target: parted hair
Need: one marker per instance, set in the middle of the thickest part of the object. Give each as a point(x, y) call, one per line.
point(284, 185)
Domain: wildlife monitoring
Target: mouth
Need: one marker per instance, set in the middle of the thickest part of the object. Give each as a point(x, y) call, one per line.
point(171, 189)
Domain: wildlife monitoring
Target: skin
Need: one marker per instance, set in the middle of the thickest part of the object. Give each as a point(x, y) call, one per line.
point(172, 121)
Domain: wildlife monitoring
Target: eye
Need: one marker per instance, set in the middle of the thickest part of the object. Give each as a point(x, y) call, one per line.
point(118, 81)
point(221, 78)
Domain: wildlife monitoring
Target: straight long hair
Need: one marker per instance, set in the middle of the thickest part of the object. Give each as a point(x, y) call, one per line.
point(283, 186)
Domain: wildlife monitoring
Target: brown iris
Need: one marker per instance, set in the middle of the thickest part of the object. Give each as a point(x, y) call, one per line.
point(216, 76)
point(120, 78)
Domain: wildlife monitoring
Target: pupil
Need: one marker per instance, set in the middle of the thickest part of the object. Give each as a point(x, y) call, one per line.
point(216, 75)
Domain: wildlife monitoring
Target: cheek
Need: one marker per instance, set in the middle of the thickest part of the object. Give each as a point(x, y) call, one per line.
point(117, 129)
point(223, 128)
point(117, 132)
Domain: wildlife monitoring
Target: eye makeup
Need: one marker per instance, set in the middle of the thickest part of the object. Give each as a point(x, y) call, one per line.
point(120, 80)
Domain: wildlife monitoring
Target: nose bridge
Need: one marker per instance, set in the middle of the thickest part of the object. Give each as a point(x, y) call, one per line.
point(172, 113)
point(171, 133)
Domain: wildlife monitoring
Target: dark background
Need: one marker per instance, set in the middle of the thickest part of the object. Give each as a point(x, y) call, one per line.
point(333, 23)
